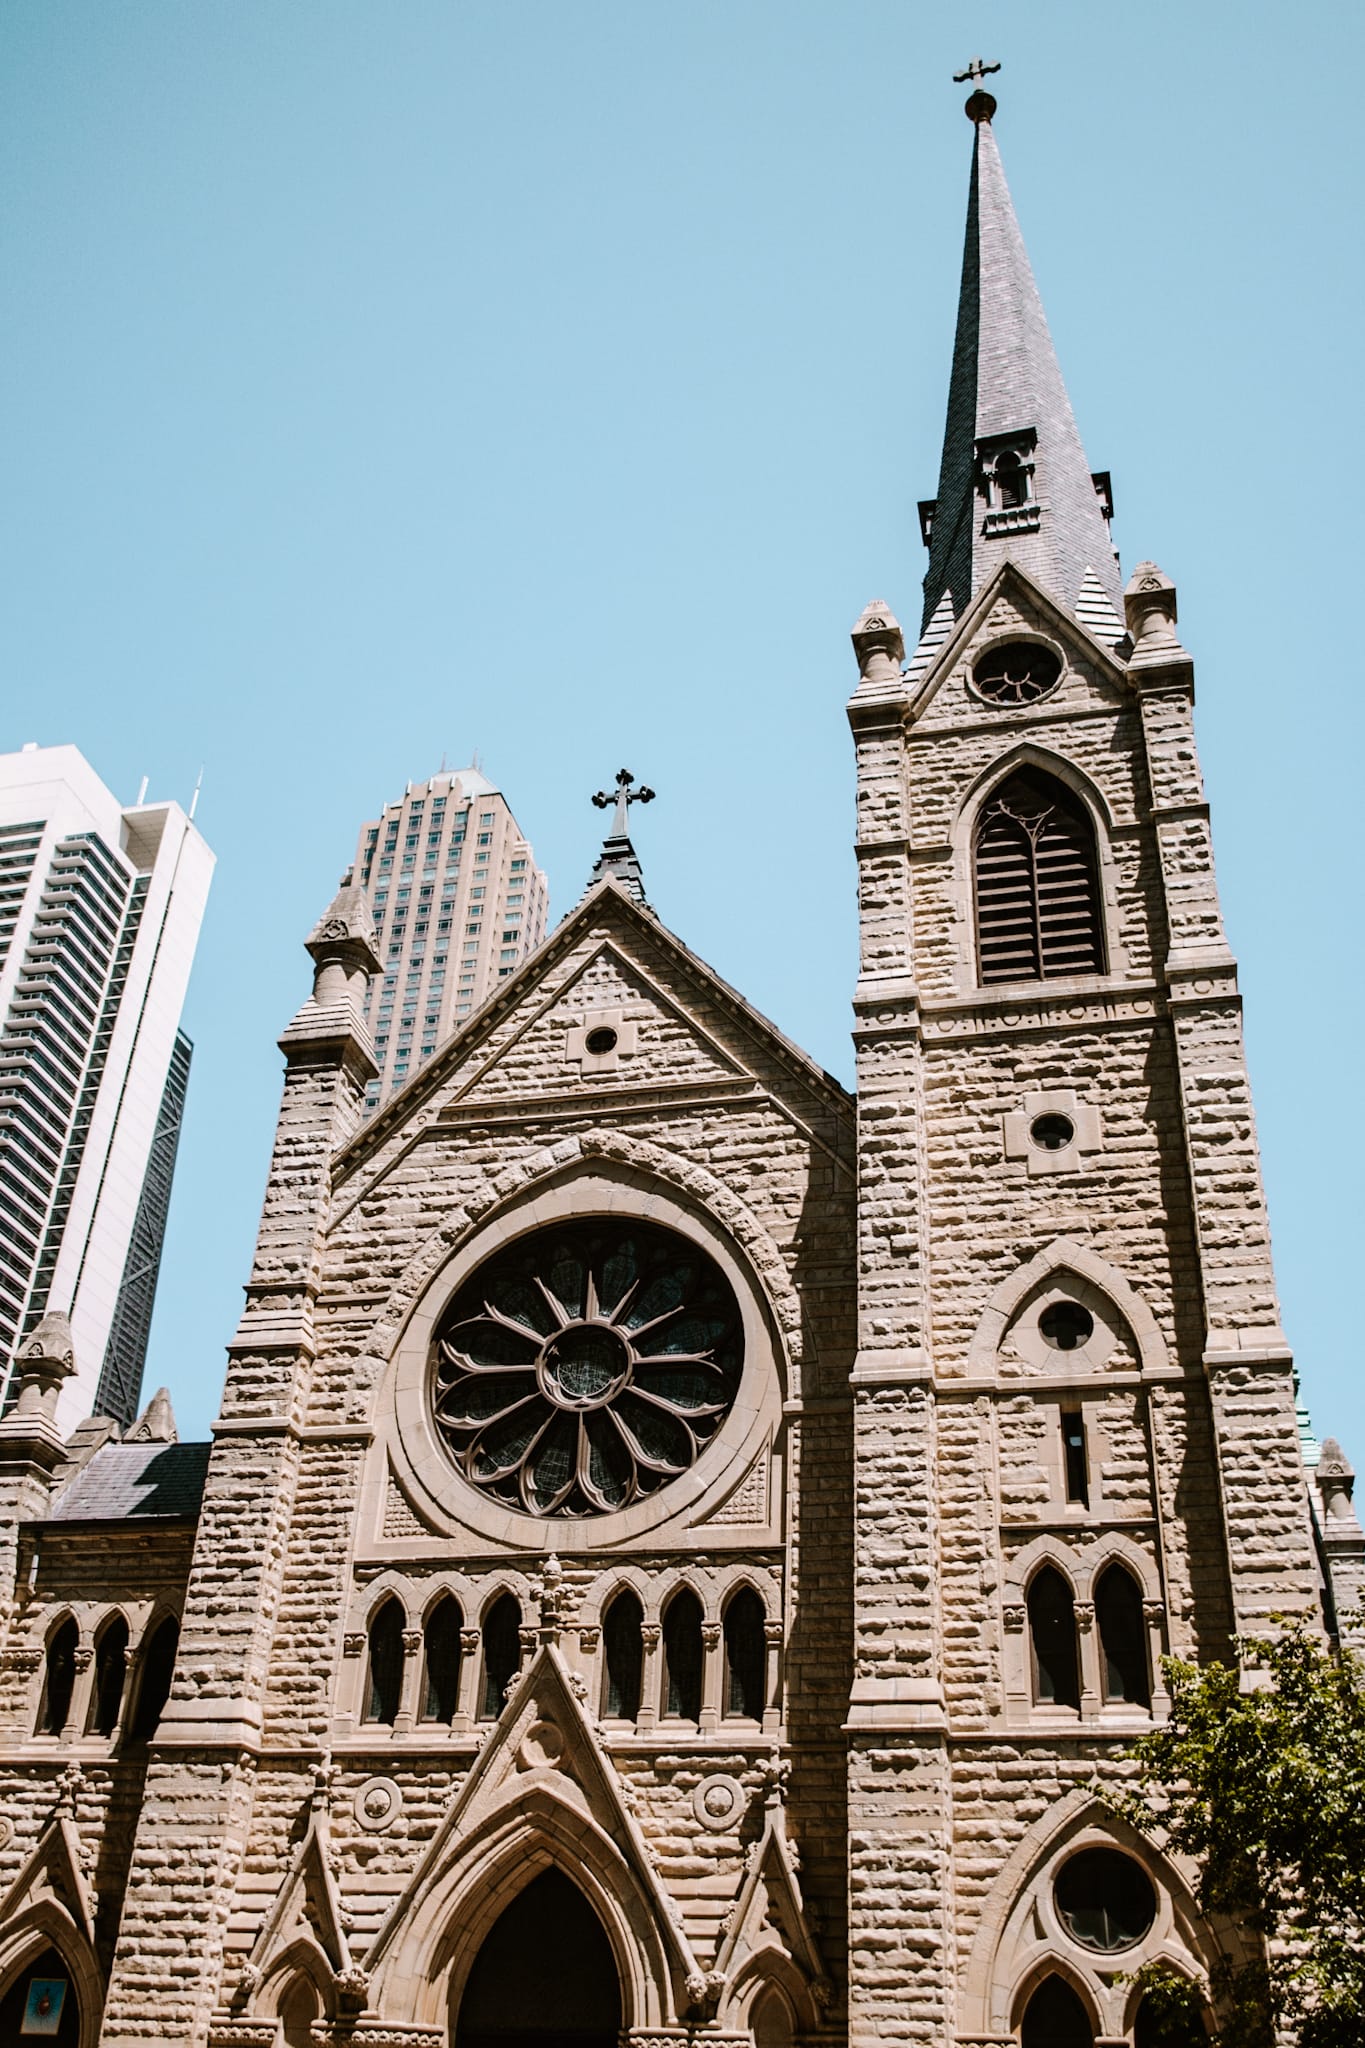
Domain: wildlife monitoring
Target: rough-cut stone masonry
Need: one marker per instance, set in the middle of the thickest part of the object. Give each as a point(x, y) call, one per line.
point(1006, 1311)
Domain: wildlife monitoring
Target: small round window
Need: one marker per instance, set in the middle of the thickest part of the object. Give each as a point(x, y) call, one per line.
point(1105, 1900)
point(601, 1040)
point(1066, 1325)
point(1020, 672)
point(1052, 1133)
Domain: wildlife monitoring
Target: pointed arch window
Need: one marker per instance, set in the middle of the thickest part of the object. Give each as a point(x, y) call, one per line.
point(1055, 2018)
point(746, 1656)
point(299, 2007)
point(1037, 883)
point(154, 1683)
point(1123, 1637)
point(683, 1656)
point(441, 1661)
point(385, 1687)
point(1161, 2023)
point(59, 1679)
point(622, 1657)
point(1052, 1634)
point(501, 1654)
point(111, 1668)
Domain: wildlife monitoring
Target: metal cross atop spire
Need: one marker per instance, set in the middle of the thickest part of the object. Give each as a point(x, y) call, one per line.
point(623, 796)
point(976, 71)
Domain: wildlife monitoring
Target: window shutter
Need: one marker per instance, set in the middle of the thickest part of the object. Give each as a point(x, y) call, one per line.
point(1037, 892)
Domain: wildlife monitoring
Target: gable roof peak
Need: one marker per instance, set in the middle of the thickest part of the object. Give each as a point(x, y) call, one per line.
point(1014, 480)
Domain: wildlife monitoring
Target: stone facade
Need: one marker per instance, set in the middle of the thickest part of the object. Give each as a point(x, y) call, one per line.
point(786, 1700)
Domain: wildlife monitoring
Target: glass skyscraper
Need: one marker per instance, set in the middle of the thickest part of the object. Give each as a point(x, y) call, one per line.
point(458, 903)
point(100, 908)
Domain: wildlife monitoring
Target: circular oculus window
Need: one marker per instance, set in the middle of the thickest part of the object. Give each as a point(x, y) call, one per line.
point(586, 1365)
point(1105, 1900)
point(1066, 1325)
point(1020, 672)
point(1053, 1132)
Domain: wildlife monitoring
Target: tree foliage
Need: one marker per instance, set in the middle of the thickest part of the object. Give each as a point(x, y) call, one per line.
point(1265, 1790)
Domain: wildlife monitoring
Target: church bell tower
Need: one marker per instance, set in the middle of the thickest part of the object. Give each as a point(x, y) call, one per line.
point(1075, 1445)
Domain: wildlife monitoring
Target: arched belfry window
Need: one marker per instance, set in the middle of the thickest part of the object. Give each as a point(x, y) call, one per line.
point(1037, 883)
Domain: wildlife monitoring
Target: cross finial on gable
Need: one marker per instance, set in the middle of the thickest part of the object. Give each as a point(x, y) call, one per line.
point(622, 797)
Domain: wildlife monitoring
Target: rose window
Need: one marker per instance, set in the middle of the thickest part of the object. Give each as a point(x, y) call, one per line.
point(586, 1365)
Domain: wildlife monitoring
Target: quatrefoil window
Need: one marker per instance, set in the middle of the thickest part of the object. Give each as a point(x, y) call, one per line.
point(585, 1366)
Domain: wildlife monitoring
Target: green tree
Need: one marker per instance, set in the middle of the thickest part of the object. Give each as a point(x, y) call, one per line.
point(1265, 1790)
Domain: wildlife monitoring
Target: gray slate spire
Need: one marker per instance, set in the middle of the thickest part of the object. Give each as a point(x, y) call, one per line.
point(1014, 480)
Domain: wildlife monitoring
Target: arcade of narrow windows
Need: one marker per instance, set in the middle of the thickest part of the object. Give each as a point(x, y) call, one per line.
point(679, 1666)
point(108, 1687)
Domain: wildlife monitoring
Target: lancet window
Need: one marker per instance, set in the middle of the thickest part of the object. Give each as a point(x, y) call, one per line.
point(1123, 1638)
point(501, 1654)
point(157, 1664)
point(441, 1661)
point(1055, 2018)
point(1052, 1633)
point(746, 1656)
point(622, 1657)
point(59, 1680)
point(111, 1668)
point(385, 1687)
point(683, 1656)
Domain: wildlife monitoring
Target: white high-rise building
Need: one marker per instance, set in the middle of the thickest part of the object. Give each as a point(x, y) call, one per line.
point(100, 908)
point(458, 903)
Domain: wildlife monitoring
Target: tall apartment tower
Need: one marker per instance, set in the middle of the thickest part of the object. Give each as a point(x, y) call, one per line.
point(100, 908)
point(458, 903)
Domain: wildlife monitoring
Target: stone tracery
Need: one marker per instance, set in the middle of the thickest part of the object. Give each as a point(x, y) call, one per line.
point(583, 1367)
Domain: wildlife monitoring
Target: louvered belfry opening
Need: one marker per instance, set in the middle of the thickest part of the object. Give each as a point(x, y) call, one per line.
point(1037, 883)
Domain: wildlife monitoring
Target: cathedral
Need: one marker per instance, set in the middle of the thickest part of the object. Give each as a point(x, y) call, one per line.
point(684, 1547)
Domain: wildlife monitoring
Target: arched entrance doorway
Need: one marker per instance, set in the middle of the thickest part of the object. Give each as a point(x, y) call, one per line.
point(545, 1976)
point(41, 2003)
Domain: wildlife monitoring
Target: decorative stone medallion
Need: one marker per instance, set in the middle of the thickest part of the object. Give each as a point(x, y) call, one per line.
point(541, 1746)
point(377, 1805)
point(718, 1802)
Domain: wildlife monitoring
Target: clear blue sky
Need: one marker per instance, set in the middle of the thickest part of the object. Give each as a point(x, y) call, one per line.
point(383, 381)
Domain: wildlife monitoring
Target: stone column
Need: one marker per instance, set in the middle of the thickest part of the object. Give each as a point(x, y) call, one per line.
point(713, 1675)
point(198, 1798)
